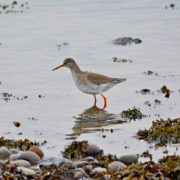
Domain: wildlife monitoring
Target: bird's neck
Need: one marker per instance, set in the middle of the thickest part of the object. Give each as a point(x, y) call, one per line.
point(75, 69)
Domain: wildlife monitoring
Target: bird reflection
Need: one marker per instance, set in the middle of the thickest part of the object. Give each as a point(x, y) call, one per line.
point(92, 120)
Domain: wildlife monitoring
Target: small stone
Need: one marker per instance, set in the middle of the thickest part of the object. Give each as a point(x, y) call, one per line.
point(116, 165)
point(80, 173)
point(92, 150)
point(14, 157)
point(89, 158)
point(99, 170)
point(38, 151)
point(30, 156)
point(14, 151)
point(129, 159)
point(89, 167)
point(27, 171)
point(4, 153)
point(81, 163)
point(21, 162)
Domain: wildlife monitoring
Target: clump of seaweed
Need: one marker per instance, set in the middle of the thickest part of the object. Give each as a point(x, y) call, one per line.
point(61, 171)
point(170, 166)
point(104, 160)
point(165, 91)
point(17, 124)
point(121, 60)
point(8, 97)
point(14, 7)
point(150, 73)
point(133, 113)
point(144, 91)
point(147, 170)
point(22, 145)
point(162, 132)
point(75, 150)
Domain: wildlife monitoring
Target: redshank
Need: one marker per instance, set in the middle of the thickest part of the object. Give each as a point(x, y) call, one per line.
point(88, 82)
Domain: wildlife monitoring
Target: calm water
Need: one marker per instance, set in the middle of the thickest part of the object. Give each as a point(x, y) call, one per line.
point(85, 30)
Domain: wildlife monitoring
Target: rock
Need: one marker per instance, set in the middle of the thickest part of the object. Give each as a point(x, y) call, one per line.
point(21, 162)
point(30, 156)
point(126, 41)
point(14, 151)
point(80, 173)
point(26, 171)
point(56, 161)
point(116, 165)
point(89, 158)
point(92, 150)
point(129, 159)
point(4, 153)
point(38, 151)
point(88, 167)
point(81, 163)
point(14, 157)
point(98, 170)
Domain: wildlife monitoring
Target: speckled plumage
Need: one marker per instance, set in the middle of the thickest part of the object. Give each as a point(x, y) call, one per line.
point(90, 83)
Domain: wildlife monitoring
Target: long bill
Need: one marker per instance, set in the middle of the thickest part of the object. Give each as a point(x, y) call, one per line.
point(58, 67)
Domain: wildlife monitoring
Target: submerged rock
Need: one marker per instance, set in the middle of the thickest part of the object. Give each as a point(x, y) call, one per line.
point(123, 41)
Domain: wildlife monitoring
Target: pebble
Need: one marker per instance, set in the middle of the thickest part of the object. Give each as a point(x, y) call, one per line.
point(92, 150)
point(99, 170)
point(80, 173)
point(38, 151)
point(89, 167)
point(32, 157)
point(4, 153)
point(129, 159)
point(14, 151)
point(116, 165)
point(81, 163)
point(21, 162)
point(27, 171)
point(14, 157)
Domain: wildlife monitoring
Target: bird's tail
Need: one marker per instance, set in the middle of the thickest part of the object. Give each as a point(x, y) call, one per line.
point(119, 80)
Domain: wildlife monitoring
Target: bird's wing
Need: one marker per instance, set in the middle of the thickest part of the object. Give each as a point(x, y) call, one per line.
point(101, 79)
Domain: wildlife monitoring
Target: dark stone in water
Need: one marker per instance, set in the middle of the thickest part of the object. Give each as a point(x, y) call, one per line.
point(123, 41)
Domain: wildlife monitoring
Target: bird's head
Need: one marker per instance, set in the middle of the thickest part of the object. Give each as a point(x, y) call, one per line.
point(68, 62)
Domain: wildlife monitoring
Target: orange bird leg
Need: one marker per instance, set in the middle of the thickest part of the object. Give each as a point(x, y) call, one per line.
point(105, 101)
point(95, 100)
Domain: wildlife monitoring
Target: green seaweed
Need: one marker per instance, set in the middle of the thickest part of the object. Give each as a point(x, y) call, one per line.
point(23, 145)
point(104, 160)
point(74, 150)
point(162, 132)
point(133, 113)
point(170, 166)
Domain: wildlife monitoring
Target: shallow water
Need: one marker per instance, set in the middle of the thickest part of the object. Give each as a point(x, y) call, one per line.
point(33, 44)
